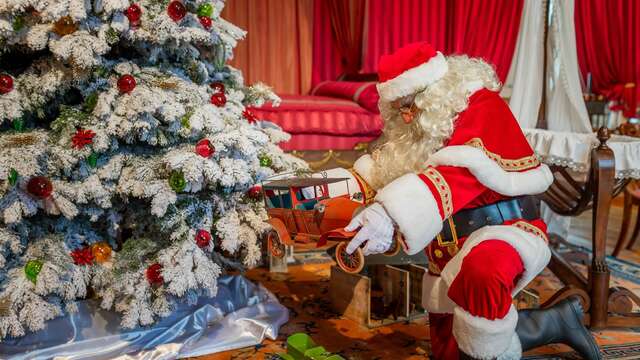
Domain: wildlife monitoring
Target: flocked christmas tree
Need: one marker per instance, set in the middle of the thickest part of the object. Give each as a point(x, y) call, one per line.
point(127, 157)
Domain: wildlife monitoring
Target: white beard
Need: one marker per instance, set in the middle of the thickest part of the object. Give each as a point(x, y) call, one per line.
point(407, 147)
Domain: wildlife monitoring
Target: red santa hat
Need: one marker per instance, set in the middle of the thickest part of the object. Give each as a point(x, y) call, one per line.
point(410, 69)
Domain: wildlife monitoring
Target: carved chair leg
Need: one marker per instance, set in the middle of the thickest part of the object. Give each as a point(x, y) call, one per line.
point(636, 231)
point(624, 228)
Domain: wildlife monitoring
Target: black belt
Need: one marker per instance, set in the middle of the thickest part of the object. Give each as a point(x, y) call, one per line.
point(464, 222)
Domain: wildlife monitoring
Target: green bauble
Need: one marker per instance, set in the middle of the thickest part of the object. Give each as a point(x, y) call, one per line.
point(265, 161)
point(13, 177)
point(205, 10)
point(18, 124)
point(177, 181)
point(32, 269)
point(92, 160)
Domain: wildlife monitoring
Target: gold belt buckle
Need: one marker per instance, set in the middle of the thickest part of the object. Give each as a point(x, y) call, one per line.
point(454, 235)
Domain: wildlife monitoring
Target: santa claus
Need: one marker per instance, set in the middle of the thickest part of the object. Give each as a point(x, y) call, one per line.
point(455, 176)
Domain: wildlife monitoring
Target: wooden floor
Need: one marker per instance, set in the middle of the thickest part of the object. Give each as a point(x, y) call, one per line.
point(580, 232)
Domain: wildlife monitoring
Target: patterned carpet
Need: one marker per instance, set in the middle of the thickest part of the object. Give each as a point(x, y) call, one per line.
point(304, 291)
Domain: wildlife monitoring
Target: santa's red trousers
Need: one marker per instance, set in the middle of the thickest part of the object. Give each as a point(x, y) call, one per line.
point(482, 287)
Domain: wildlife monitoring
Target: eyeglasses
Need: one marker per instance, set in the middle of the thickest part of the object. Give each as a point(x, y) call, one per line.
point(407, 108)
point(408, 112)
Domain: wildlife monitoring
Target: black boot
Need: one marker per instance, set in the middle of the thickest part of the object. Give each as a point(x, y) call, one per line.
point(562, 324)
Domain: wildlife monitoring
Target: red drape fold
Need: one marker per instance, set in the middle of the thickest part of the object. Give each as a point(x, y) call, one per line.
point(392, 24)
point(347, 20)
point(479, 28)
point(326, 64)
point(485, 28)
point(608, 44)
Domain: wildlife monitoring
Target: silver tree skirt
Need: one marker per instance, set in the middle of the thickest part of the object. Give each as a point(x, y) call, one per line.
point(242, 314)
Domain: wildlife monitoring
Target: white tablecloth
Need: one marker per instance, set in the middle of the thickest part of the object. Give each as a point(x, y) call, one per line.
point(572, 150)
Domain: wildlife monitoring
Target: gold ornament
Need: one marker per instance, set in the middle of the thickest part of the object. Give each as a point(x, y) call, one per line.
point(64, 26)
point(101, 252)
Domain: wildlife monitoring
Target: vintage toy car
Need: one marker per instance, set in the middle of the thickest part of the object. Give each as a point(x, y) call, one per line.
point(321, 218)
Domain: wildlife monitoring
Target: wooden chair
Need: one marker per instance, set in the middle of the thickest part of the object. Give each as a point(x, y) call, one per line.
point(596, 108)
point(631, 199)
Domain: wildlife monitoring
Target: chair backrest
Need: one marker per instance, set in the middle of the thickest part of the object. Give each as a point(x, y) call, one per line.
point(596, 108)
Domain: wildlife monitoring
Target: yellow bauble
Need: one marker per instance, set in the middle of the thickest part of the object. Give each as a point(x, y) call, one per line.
point(64, 26)
point(101, 252)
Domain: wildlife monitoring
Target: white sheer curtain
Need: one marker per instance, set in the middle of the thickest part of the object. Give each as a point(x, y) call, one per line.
point(566, 110)
point(525, 76)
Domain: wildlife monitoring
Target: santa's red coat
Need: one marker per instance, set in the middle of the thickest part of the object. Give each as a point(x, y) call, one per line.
point(470, 282)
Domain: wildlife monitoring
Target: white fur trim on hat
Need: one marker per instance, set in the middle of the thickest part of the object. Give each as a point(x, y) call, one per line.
point(482, 338)
point(434, 295)
point(363, 166)
point(411, 205)
point(532, 249)
point(490, 174)
point(414, 79)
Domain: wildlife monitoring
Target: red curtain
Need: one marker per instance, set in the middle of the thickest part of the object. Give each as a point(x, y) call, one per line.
point(347, 19)
point(326, 57)
point(486, 29)
point(608, 44)
point(480, 28)
point(279, 37)
point(394, 23)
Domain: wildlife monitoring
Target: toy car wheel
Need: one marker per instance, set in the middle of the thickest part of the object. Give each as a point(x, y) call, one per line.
point(349, 263)
point(276, 247)
point(395, 246)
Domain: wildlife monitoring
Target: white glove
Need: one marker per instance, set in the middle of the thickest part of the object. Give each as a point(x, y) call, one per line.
point(376, 229)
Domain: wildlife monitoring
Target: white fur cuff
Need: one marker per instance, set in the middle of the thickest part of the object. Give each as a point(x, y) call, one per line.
point(434, 295)
point(490, 174)
point(411, 205)
point(363, 166)
point(482, 338)
point(533, 251)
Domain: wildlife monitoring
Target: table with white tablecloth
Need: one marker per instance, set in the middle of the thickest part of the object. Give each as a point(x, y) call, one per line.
point(589, 170)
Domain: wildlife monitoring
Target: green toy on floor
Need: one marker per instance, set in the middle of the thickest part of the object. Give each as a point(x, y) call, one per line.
point(300, 346)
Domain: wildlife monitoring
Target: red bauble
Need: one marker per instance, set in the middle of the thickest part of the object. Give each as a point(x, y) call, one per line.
point(218, 99)
point(255, 193)
point(6, 83)
point(40, 187)
point(205, 22)
point(82, 138)
point(203, 238)
point(251, 117)
point(176, 10)
point(217, 87)
point(82, 256)
point(154, 274)
point(126, 83)
point(133, 13)
point(204, 148)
